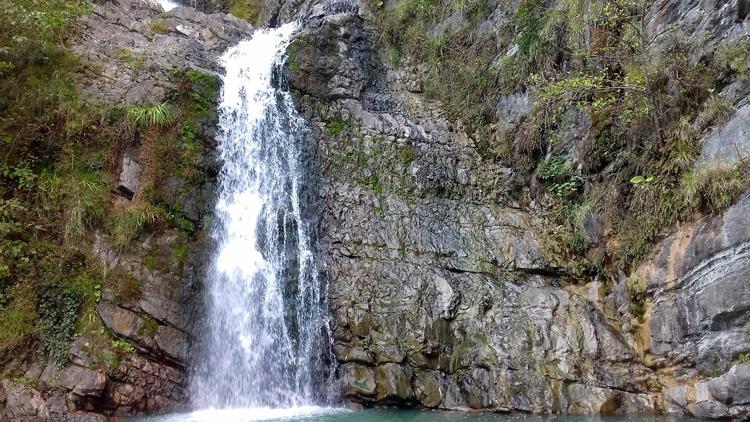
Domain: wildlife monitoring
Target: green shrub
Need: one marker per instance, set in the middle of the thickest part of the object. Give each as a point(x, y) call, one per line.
point(336, 126)
point(158, 26)
point(18, 315)
point(742, 358)
point(122, 346)
point(734, 57)
point(249, 10)
point(127, 222)
point(58, 311)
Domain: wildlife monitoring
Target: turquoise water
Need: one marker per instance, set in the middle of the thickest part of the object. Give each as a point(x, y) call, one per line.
point(316, 414)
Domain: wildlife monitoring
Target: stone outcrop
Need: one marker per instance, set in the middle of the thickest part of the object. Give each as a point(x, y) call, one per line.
point(699, 314)
point(130, 49)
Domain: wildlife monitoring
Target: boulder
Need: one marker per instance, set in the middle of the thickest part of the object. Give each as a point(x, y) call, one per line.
point(393, 384)
point(732, 388)
point(77, 379)
point(427, 388)
point(23, 403)
point(357, 380)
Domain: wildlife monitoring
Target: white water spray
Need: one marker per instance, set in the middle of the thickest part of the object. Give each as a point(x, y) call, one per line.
point(266, 341)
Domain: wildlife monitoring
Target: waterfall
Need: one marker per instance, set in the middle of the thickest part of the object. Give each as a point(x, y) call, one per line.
point(266, 337)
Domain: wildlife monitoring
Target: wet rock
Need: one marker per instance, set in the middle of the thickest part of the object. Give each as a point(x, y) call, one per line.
point(357, 380)
point(476, 388)
point(393, 384)
point(86, 417)
point(711, 409)
point(191, 201)
point(427, 388)
point(587, 400)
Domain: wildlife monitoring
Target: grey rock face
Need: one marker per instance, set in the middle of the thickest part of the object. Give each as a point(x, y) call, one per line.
point(700, 312)
point(130, 47)
point(699, 279)
point(701, 24)
point(732, 388)
point(130, 174)
point(730, 144)
point(441, 296)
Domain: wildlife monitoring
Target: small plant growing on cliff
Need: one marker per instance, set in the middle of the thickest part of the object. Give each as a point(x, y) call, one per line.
point(149, 115)
point(734, 57)
point(127, 223)
point(249, 10)
point(551, 168)
point(335, 127)
point(639, 181)
point(123, 346)
point(638, 297)
point(158, 26)
point(134, 60)
point(124, 287)
point(742, 358)
point(715, 186)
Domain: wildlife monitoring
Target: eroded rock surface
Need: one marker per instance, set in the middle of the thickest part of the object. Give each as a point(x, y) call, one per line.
point(441, 296)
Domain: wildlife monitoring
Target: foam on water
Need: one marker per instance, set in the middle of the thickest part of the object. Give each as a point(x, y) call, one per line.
point(250, 414)
point(168, 5)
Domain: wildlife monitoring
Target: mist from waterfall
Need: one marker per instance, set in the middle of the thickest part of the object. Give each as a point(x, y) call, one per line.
point(266, 338)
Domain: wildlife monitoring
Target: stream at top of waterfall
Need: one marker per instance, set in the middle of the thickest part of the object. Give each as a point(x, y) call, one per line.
point(320, 414)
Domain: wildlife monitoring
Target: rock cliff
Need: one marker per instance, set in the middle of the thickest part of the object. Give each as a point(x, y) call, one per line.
point(444, 290)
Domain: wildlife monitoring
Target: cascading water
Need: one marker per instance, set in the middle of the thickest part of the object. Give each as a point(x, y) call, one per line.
point(266, 340)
